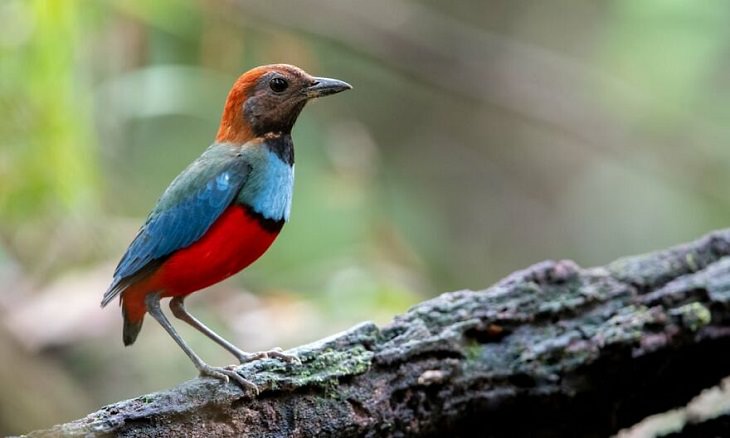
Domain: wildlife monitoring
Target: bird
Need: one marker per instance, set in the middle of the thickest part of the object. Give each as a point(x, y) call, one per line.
point(222, 212)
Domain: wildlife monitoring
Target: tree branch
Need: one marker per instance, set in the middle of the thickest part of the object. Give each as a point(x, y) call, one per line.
point(551, 351)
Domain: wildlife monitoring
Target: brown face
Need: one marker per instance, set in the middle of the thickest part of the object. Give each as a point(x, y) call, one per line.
point(268, 99)
point(279, 94)
point(276, 99)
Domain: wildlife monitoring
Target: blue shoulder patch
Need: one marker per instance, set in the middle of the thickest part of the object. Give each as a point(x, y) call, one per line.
point(269, 188)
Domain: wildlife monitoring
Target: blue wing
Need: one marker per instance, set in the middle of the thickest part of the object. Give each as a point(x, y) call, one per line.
point(187, 209)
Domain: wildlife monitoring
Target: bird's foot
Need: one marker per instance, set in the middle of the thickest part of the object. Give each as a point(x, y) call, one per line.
point(275, 353)
point(226, 374)
point(279, 354)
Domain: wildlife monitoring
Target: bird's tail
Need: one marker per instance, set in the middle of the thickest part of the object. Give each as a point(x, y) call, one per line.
point(133, 311)
point(131, 330)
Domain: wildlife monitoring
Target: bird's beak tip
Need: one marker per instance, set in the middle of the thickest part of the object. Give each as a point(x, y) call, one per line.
point(326, 86)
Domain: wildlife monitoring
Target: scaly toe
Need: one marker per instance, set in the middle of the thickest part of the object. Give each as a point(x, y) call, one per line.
point(276, 353)
point(225, 374)
point(279, 354)
point(245, 384)
point(250, 357)
point(213, 372)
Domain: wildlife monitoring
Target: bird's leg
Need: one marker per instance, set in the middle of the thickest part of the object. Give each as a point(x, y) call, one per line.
point(153, 308)
point(177, 305)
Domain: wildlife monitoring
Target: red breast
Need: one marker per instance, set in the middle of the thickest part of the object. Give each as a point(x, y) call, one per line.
point(233, 242)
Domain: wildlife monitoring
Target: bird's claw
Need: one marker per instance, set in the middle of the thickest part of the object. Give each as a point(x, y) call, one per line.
point(274, 353)
point(279, 354)
point(228, 373)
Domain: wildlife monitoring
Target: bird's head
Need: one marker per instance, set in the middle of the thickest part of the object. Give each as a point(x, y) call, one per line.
point(268, 99)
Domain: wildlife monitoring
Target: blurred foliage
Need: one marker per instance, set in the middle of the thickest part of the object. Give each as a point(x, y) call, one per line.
point(480, 137)
point(48, 155)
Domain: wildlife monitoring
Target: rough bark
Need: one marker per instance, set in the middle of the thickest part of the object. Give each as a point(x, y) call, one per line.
point(551, 351)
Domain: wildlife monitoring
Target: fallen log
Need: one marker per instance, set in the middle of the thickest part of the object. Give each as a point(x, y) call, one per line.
point(552, 351)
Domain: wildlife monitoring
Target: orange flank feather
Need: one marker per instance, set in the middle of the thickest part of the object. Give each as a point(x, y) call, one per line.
point(233, 242)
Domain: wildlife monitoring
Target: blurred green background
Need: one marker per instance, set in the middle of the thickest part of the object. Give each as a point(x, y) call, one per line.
point(480, 137)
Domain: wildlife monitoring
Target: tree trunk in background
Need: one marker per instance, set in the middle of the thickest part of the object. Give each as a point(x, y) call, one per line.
point(551, 351)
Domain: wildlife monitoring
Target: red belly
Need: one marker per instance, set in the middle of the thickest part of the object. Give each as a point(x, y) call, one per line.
point(234, 241)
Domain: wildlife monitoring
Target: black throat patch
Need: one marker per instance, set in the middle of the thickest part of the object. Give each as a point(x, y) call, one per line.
point(281, 144)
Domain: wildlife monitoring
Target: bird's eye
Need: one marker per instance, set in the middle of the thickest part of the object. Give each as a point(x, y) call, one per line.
point(278, 84)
